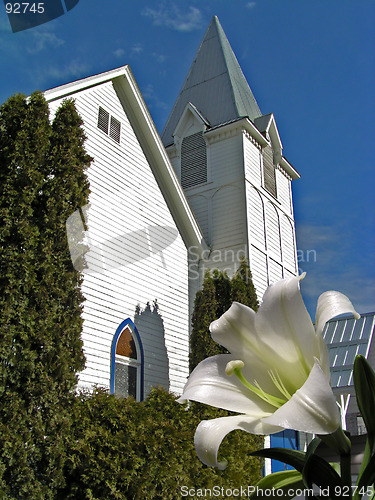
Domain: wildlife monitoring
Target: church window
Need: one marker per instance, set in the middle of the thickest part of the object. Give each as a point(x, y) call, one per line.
point(127, 362)
point(109, 125)
point(193, 160)
point(269, 172)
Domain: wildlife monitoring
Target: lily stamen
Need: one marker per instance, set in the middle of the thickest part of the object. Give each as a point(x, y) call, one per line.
point(235, 367)
point(276, 379)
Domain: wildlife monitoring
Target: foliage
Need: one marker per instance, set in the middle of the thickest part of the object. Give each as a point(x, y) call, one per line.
point(216, 296)
point(128, 450)
point(42, 182)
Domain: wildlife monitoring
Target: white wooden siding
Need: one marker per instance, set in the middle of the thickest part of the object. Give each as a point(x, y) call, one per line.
point(275, 271)
point(256, 217)
point(130, 225)
point(283, 191)
point(259, 270)
point(288, 243)
point(199, 205)
point(272, 231)
point(226, 160)
point(252, 158)
point(228, 223)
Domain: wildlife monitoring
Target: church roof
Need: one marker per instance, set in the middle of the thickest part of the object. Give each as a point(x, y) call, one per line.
point(215, 85)
point(147, 134)
point(347, 337)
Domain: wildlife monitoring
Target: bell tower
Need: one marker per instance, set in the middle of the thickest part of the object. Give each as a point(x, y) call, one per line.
point(229, 159)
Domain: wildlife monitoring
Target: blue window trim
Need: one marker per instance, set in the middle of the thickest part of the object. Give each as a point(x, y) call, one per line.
point(120, 329)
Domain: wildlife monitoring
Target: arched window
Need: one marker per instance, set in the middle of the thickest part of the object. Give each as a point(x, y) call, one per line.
point(127, 362)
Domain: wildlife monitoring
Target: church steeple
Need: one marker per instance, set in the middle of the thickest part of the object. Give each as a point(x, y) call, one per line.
point(215, 85)
point(229, 160)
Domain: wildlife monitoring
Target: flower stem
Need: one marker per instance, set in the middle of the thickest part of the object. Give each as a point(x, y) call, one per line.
point(341, 444)
point(346, 475)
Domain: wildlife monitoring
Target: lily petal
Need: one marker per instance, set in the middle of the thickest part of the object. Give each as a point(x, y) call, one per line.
point(235, 331)
point(209, 384)
point(330, 305)
point(284, 323)
point(210, 433)
point(312, 408)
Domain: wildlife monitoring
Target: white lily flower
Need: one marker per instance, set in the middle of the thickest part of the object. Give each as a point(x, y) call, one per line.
point(277, 374)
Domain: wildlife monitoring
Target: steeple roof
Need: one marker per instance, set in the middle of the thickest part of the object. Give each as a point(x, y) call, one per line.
point(215, 85)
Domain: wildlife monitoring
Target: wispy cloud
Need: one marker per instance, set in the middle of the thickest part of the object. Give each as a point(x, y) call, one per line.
point(41, 39)
point(151, 98)
point(61, 74)
point(119, 52)
point(169, 15)
point(325, 254)
point(160, 58)
point(136, 49)
point(251, 5)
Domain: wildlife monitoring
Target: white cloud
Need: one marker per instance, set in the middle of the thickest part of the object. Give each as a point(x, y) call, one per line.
point(160, 58)
point(169, 15)
point(74, 69)
point(136, 49)
point(331, 263)
point(251, 5)
point(41, 39)
point(119, 52)
point(152, 98)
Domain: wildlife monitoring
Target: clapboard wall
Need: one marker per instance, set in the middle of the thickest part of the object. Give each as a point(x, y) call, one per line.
point(271, 230)
point(136, 256)
point(237, 215)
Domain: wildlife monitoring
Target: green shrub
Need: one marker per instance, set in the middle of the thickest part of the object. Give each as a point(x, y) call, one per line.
point(122, 449)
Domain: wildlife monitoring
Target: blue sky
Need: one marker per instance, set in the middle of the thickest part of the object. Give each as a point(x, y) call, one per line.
point(309, 62)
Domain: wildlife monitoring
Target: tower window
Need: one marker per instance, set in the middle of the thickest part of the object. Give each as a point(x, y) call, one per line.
point(193, 160)
point(127, 362)
point(269, 173)
point(109, 125)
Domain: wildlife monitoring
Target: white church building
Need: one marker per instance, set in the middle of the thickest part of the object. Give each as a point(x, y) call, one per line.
point(212, 188)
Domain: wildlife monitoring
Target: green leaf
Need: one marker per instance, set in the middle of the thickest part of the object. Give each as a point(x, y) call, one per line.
point(307, 472)
point(364, 383)
point(320, 472)
point(288, 481)
point(368, 476)
point(293, 458)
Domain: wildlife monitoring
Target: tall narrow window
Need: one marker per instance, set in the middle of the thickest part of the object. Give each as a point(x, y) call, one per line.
point(193, 160)
point(127, 362)
point(269, 174)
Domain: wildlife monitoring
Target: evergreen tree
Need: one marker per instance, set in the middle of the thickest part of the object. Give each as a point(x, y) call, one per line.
point(242, 287)
point(216, 296)
point(41, 183)
point(205, 307)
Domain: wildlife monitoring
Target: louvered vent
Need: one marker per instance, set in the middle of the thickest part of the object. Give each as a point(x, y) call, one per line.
point(269, 174)
point(115, 129)
point(109, 124)
point(103, 120)
point(193, 160)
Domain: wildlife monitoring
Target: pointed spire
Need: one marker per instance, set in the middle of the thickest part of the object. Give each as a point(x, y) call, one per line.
point(215, 84)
